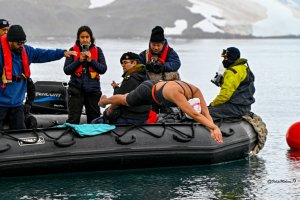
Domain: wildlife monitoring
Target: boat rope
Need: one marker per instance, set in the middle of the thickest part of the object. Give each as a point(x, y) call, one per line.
point(57, 141)
point(34, 131)
point(183, 137)
point(261, 130)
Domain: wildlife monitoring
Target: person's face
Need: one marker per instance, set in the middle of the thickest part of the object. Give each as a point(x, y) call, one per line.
point(156, 47)
point(84, 38)
point(127, 64)
point(17, 47)
point(3, 31)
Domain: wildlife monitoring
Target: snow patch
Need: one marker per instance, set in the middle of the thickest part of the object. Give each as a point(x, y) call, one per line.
point(213, 17)
point(99, 3)
point(280, 20)
point(180, 26)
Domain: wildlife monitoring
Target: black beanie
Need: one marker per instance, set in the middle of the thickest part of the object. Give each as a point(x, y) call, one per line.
point(157, 34)
point(233, 54)
point(129, 56)
point(3, 23)
point(16, 34)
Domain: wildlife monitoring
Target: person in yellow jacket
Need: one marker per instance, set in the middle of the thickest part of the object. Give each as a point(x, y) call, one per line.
point(237, 87)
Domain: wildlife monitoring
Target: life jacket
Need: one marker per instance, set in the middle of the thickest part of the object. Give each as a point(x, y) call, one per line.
point(244, 93)
point(7, 74)
point(94, 54)
point(162, 56)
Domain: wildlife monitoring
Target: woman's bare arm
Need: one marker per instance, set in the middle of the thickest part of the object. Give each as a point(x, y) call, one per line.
point(118, 99)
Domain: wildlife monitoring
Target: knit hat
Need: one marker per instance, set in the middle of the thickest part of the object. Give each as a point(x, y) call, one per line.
point(129, 56)
point(157, 34)
point(16, 34)
point(232, 54)
point(3, 23)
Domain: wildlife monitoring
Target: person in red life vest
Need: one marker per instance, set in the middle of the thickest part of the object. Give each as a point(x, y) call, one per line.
point(134, 74)
point(15, 60)
point(85, 69)
point(168, 94)
point(161, 61)
point(4, 26)
point(30, 120)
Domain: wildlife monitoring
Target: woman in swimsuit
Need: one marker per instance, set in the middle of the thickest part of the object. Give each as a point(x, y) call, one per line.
point(167, 93)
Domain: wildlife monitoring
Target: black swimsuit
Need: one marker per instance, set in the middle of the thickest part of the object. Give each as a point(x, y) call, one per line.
point(146, 93)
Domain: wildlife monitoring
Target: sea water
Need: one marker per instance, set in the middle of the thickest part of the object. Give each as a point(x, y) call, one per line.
point(273, 174)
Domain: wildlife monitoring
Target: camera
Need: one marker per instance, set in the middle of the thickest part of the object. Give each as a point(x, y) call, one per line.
point(85, 47)
point(156, 67)
point(218, 79)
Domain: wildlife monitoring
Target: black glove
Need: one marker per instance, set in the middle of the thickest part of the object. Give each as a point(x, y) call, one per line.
point(31, 122)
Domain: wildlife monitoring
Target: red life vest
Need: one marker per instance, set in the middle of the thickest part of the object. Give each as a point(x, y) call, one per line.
point(162, 57)
point(7, 76)
point(94, 55)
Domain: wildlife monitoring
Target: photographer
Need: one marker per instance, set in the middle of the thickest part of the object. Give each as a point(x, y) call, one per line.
point(237, 87)
point(85, 69)
point(161, 61)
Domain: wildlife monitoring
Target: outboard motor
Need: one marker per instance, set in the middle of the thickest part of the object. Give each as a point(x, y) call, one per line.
point(50, 98)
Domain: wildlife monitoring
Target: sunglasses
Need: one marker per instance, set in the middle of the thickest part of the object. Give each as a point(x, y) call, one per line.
point(21, 43)
point(224, 53)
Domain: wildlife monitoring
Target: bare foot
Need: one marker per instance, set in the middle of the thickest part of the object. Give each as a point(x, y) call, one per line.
point(101, 102)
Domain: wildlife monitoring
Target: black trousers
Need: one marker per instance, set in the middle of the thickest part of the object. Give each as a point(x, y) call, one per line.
point(14, 115)
point(78, 99)
point(228, 110)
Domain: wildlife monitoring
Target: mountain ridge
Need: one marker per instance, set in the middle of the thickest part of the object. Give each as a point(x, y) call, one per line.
point(126, 18)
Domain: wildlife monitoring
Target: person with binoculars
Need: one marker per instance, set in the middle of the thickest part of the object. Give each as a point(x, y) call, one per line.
point(162, 62)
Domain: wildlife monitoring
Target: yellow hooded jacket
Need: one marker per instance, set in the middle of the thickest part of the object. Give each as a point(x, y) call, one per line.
point(231, 81)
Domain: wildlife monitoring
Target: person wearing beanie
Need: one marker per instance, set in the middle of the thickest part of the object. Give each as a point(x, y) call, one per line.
point(161, 61)
point(237, 87)
point(134, 74)
point(4, 26)
point(84, 70)
point(15, 60)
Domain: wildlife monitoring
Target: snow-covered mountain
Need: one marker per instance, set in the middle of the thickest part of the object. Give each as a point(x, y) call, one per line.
point(136, 18)
point(259, 18)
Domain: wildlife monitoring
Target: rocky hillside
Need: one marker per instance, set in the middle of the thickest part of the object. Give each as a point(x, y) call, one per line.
point(136, 18)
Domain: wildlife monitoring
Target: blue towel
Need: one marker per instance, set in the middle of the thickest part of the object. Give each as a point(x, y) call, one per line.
point(88, 129)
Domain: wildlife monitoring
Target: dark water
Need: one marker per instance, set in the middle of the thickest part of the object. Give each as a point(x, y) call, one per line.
point(273, 174)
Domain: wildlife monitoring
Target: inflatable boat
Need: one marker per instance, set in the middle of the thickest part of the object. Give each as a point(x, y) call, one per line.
point(49, 149)
point(60, 150)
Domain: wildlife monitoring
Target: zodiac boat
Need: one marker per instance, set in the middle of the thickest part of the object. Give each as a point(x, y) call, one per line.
point(60, 150)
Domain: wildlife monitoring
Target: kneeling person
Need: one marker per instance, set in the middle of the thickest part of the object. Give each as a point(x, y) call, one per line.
point(134, 74)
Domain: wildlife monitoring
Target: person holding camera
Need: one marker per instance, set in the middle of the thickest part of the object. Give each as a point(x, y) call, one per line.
point(162, 62)
point(237, 87)
point(134, 74)
point(85, 69)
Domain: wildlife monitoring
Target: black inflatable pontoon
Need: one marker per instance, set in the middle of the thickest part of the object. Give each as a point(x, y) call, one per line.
point(54, 150)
